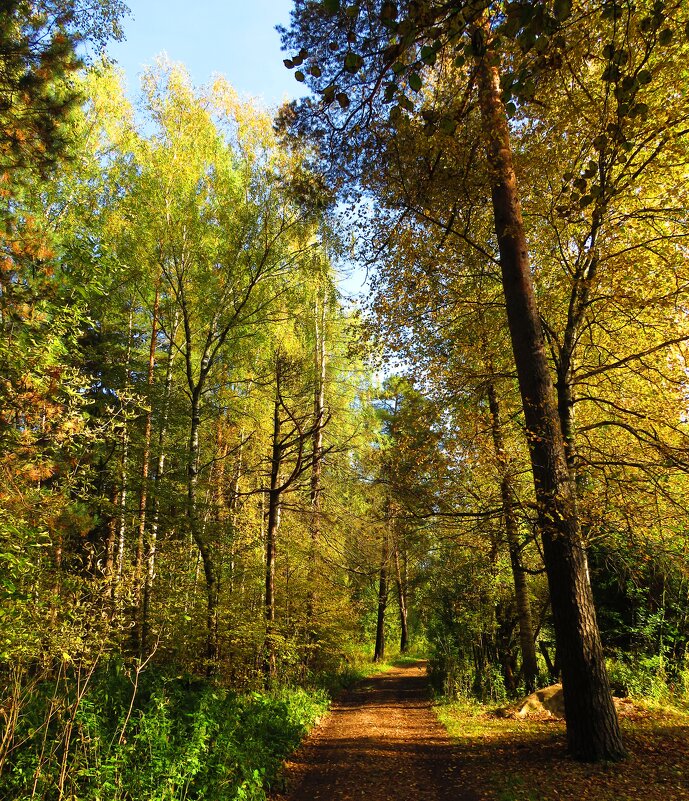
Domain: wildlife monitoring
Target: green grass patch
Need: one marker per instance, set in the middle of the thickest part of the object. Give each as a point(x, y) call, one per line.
point(515, 760)
point(358, 665)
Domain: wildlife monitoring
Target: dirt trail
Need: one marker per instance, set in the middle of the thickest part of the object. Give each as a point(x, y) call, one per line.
point(380, 742)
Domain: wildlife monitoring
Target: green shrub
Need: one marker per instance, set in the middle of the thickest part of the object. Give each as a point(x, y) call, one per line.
point(652, 677)
point(154, 738)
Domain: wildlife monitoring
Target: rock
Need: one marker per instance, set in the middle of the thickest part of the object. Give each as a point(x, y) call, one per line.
point(548, 702)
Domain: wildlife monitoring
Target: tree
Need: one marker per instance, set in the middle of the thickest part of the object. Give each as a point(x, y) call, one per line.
point(379, 43)
point(38, 41)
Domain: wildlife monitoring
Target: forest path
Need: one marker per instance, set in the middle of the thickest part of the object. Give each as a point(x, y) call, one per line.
point(380, 742)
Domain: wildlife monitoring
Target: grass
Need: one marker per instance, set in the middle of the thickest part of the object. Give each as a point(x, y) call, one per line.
point(360, 666)
point(514, 760)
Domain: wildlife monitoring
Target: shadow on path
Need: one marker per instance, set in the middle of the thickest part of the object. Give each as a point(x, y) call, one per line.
point(380, 742)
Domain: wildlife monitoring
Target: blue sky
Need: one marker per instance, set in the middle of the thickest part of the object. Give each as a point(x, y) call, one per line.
point(236, 38)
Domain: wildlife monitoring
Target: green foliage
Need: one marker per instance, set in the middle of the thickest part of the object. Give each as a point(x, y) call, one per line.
point(152, 737)
point(652, 678)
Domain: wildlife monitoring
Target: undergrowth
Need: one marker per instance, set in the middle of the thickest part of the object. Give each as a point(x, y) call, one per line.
point(151, 737)
point(117, 734)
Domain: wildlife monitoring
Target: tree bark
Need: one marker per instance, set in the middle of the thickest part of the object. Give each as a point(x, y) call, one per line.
point(145, 458)
point(270, 665)
point(151, 544)
point(124, 465)
point(592, 728)
point(402, 601)
point(379, 652)
point(209, 567)
point(527, 640)
point(317, 461)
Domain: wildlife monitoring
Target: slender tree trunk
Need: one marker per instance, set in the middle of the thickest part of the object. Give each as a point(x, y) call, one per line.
point(124, 464)
point(209, 567)
point(145, 458)
point(208, 558)
point(402, 600)
point(122, 518)
point(233, 506)
point(152, 540)
point(565, 408)
point(109, 567)
point(269, 665)
point(592, 728)
point(527, 641)
point(317, 462)
point(379, 652)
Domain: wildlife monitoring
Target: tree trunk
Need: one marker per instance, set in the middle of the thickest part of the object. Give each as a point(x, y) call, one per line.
point(152, 540)
point(269, 664)
point(527, 641)
point(317, 460)
point(402, 600)
point(124, 465)
point(145, 458)
point(209, 568)
point(233, 506)
point(379, 652)
point(592, 727)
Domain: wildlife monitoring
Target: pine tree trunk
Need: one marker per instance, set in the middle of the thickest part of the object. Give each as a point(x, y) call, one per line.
point(592, 728)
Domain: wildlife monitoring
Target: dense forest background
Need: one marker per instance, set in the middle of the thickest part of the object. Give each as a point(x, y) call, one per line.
point(224, 486)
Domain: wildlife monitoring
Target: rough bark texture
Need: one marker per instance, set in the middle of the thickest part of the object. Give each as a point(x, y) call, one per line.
point(592, 727)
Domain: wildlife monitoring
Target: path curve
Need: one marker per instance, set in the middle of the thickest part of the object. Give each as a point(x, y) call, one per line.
point(379, 742)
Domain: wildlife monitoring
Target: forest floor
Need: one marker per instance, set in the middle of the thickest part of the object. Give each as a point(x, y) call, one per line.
point(382, 741)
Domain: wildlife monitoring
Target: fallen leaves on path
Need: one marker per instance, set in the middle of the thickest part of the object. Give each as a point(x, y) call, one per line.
point(380, 742)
